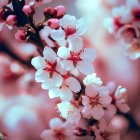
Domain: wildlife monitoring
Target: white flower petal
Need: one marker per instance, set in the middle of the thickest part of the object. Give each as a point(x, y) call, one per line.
point(82, 26)
point(75, 43)
point(85, 67)
point(73, 84)
point(49, 54)
point(85, 100)
point(57, 79)
point(58, 34)
point(97, 112)
point(48, 134)
point(41, 75)
point(67, 65)
point(105, 99)
point(91, 90)
point(104, 90)
point(54, 92)
point(38, 62)
point(67, 20)
point(88, 54)
point(66, 94)
point(56, 124)
point(63, 52)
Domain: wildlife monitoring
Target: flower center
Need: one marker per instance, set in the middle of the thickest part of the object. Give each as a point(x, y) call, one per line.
point(75, 57)
point(70, 30)
point(95, 100)
point(117, 23)
point(59, 135)
point(50, 66)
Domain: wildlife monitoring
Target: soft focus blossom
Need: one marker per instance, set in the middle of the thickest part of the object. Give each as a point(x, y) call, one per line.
point(94, 100)
point(106, 132)
point(3, 3)
point(69, 111)
point(58, 131)
point(121, 99)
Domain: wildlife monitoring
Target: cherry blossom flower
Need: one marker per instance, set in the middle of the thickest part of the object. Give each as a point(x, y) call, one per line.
point(59, 131)
point(75, 56)
point(107, 131)
point(48, 71)
point(69, 86)
point(94, 100)
point(69, 27)
point(121, 99)
point(69, 111)
point(92, 79)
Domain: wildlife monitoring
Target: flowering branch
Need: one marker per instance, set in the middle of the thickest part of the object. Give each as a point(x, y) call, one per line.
point(63, 58)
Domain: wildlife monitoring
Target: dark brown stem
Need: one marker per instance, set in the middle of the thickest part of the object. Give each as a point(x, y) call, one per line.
point(6, 50)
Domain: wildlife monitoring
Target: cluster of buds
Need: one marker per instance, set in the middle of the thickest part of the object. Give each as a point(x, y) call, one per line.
point(125, 24)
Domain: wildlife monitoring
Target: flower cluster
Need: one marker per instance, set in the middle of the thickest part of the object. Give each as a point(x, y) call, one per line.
point(64, 66)
point(124, 21)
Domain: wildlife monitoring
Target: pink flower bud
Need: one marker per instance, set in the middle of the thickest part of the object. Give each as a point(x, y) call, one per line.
point(21, 35)
point(11, 20)
point(59, 11)
point(48, 11)
point(3, 2)
point(53, 23)
point(28, 10)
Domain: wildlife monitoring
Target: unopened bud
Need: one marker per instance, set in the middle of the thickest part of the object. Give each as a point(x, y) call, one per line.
point(28, 10)
point(48, 11)
point(21, 35)
point(59, 11)
point(11, 20)
point(53, 23)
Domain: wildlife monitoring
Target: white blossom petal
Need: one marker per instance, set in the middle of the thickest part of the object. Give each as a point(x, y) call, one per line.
point(104, 90)
point(56, 124)
point(49, 54)
point(67, 65)
point(38, 62)
point(82, 26)
point(75, 43)
point(73, 84)
point(97, 112)
point(67, 20)
point(58, 34)
point(66, 94)
point(48, 134)
point(57, 79)
point(105, 99)
point(85, 67)
point(88, 54)
point(91, 90)
point(63, 52)
point(85, 100)
point(54, 92)
point(41, 75)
